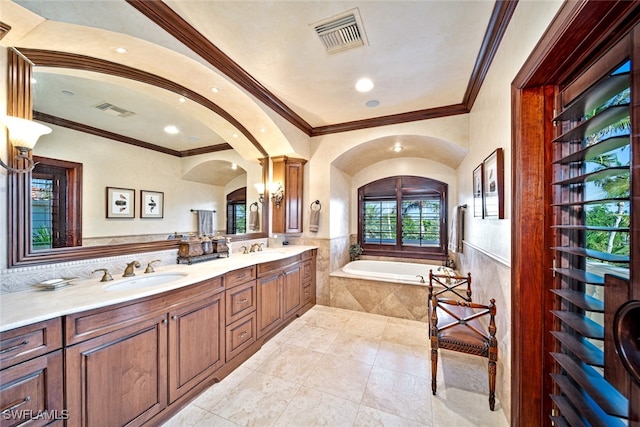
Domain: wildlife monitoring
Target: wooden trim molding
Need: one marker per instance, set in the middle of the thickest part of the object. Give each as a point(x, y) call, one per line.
point(59, 121)
point(160, 13)
point(46, 58)
point(4, 29)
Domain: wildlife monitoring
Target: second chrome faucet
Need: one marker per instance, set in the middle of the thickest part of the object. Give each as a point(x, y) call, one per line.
point(129, 270)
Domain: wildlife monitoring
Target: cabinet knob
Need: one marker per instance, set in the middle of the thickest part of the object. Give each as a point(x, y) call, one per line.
point(164, 321)
point(174, 317)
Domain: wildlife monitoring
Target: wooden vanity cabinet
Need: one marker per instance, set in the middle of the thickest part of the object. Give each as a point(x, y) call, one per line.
point(31, 375)
point(126, 363)
point(309, 278)
point(290, 173)
point(241, 298)
point(279, 293)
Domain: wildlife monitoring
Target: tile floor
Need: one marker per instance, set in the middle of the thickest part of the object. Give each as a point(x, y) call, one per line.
point(335, 367)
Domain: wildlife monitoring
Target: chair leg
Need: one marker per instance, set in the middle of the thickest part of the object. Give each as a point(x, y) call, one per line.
point(434, 369)
point(492, 384)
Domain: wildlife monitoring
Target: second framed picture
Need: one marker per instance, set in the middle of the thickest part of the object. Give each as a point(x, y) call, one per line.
point(151, 204)
point(493, 185)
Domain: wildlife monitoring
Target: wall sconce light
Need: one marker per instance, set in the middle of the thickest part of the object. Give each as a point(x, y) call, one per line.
point(23, 135)
point(277, 193)
point(260, 189)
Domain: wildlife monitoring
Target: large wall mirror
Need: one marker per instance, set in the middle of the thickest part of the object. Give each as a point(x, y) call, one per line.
point(110, 141)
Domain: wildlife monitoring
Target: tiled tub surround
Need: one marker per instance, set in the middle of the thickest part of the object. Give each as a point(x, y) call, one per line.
point(403, 297)
point(30, 306)
point(335, 367)
point(23, 278)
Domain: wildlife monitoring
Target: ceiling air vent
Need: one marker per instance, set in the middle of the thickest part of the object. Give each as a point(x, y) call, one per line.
point(112, 110)
point(341, 32)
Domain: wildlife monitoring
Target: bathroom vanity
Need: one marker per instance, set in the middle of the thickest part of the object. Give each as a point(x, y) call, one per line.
point(136, 356)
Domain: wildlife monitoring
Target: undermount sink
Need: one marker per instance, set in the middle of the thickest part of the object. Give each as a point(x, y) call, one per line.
point(147, 281)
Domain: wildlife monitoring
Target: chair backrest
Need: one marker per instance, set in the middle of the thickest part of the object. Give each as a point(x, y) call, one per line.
point(464, 313)
point(459, 286)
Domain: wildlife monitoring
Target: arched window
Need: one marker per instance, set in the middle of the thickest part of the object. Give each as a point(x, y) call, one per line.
point(403, 216)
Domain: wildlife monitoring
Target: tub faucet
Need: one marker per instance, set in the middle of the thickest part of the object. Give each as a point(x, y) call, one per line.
point(106, 276)
point(128, 272)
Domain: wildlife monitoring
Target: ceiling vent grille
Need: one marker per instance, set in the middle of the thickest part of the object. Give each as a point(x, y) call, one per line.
point(341, 32)
point(112, 110)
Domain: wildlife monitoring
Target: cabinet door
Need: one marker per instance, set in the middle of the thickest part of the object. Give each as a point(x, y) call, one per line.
point(119, 378)
point(269, 309)
point(291, 291)
point(30, 389)
point(196, 343)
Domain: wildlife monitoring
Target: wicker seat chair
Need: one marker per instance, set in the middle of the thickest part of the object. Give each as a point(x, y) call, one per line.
point(455, 325)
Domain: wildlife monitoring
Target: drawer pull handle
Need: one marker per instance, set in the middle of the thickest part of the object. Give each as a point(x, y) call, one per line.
point(242, 301)
point(16, 406)
point(242, 335)
point(15, 347)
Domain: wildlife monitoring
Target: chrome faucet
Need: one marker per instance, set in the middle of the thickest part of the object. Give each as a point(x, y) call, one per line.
point(128, 272)
point(255, 247)
point(149, 268)
point(244, 249)
point(106, 276)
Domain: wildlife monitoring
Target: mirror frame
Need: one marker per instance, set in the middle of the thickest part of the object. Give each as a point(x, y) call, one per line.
point(20, 104)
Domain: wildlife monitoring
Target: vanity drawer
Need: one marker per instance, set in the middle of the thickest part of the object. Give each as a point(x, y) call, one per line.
point(307, 270)
point(238, 277)
point(27, 342)
point(240, 300)
point(240, 335)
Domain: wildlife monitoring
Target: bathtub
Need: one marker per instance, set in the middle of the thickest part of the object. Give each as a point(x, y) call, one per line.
point(389, 288)
point(406, 272)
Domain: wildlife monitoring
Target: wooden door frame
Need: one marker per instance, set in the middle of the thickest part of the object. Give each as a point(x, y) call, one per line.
point(580, 32)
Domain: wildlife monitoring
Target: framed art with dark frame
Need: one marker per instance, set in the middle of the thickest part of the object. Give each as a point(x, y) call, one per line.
point(478, 208)
point(121, 202)
point(493, 185)
point(151, 204)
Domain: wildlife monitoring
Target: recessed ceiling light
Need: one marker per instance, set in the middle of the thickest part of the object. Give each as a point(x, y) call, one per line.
point(364, 85)
point(181, 99)
point(397, 148)
point(234, 166)
point(235, 135)
point(121, 50)
point(372, 103)
point(171, 129)
point(215, 89)
point(263, 130)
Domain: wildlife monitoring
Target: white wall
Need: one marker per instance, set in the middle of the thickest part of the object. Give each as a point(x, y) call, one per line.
point(490, 122)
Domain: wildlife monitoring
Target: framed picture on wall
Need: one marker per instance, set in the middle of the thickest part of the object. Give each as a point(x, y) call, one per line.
point(493, 187)
point(151, 204)
point(478, 208)
point(121, 202)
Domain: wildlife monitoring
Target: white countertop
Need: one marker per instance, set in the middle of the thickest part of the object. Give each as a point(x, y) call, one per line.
point(24, 308)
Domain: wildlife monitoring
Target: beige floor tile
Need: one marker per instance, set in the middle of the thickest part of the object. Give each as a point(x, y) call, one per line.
point(219, 391)
point(404, 395)
point(355, 347)
point(369, 417)
point(291, 363)
point(414, 360)
point(366, 325)
point(189, 416)
point(313, 338)
point(340, 377)
point(463, 408)
point(212, 420)
point(406, 332)
point(311, 407)
point(333, 320)
point(257, 401)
